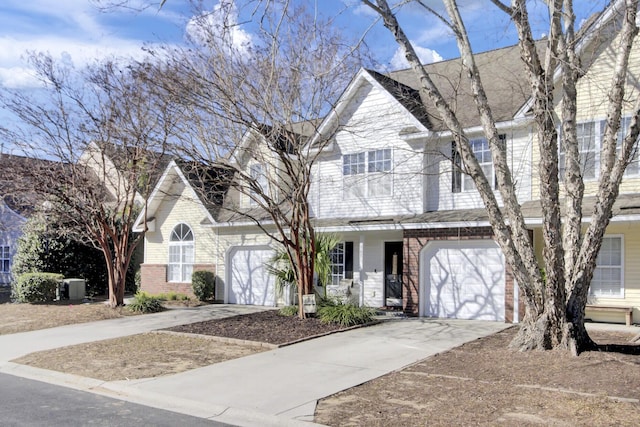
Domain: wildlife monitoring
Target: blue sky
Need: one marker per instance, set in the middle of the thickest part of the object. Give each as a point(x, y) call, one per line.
point(78, 31)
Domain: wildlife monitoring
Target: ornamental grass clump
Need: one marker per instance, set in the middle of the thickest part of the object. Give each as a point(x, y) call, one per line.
point(345, 314)
point(145, 303)
point(288, 311)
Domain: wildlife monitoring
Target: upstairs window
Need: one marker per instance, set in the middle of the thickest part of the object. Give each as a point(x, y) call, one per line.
point(5, 259)
point(632, 167)
point(482, 152)
point(181, 254)
point(368, 174)
point(590, 136)
point(259, 176)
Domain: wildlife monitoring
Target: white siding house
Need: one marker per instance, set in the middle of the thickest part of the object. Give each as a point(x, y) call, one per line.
point(415, 235)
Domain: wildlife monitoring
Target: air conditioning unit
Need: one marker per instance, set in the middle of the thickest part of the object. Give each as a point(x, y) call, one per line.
point(76, 287)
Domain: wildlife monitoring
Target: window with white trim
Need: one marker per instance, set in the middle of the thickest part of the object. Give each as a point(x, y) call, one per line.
point(368, 174)
point(632, 167)
point(482, 152)
point(5, 259)
point(181, 254)
point(607, 277)
point(337, 257)
point(258, 174)
point(590, 136)
point(341, 261)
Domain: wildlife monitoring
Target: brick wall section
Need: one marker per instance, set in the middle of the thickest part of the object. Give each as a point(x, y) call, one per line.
point(154, 279)
point(415, 240)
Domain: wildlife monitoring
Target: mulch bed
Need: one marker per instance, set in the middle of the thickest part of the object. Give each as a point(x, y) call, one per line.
point(265, 326)
point(484, 383)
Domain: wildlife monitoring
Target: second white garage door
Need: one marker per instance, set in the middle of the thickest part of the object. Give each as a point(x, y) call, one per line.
point(249, 281)
point(463, 280)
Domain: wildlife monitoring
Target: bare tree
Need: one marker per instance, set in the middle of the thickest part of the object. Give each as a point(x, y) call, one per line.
point(252, 105)
point(103, 133)
point(555, 302)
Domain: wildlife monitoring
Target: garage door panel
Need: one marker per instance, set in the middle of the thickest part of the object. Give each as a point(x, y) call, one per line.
point(251, 284)
point(464, 282)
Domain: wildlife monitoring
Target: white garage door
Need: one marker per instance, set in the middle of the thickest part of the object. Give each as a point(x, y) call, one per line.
point(249, 281)
point(463, 280)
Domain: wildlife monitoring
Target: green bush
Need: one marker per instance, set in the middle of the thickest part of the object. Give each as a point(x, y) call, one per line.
point(42, 248)
point(145, 303)
point(36, 287)
point(288, 311)
point(172, 296)
point(345, 314)
point(137, 280)
point(203, 284)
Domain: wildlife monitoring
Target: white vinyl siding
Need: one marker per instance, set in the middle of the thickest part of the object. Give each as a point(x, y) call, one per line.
point(607, 278)
point(371, 121)
point(181, 254)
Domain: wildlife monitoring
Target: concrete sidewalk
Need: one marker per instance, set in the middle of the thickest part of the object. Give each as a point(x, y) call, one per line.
point(278, 387)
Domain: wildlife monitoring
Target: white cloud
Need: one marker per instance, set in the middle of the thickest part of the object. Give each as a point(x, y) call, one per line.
point(437, 33)
point(220, 26)
point(425, 55)
point(76, 14)
point(74, 30)
point(360, 9)
point(18, 78)
point(15, 73)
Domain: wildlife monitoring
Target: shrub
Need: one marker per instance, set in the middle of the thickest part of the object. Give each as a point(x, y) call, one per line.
point(172, 296)
point(137, 280)
point(289, 311)
point(42, 248)
point(145, 303)
point(36, 287)
point(345, 314)
point(203, 284)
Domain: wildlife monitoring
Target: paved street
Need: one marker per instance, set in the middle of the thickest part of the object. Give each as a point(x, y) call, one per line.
point(32, 403)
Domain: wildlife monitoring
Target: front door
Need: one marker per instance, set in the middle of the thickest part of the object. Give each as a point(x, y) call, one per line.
point(393, 274)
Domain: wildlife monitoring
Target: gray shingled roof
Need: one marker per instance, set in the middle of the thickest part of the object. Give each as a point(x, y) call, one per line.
point(503, 76)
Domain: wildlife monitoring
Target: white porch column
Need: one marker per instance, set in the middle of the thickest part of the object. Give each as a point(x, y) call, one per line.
point(361, 268)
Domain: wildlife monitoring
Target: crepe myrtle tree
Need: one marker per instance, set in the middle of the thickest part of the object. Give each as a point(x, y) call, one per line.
point(252, 96)
point(554, 301)
point(103, 133)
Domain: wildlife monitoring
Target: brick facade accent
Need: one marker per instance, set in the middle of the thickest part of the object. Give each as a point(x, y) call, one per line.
point(154, 279)
point(415, 240)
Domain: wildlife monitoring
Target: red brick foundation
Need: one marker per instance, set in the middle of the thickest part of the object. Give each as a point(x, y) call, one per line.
point(154, 279)
point(415, 240)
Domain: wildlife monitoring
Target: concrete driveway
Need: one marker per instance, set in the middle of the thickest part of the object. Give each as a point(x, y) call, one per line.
point(277, 387)
point(286, 383)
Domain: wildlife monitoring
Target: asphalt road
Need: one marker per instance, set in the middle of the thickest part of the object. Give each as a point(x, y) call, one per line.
point(28, 403)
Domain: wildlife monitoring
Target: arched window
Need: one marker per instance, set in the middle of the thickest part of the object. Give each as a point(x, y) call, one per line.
point(181, 254)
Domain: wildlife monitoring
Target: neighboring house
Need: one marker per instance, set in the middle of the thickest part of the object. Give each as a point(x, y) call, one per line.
point(18, 202)
point(415, 232)
point(11, 223)
point(16, 205)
